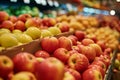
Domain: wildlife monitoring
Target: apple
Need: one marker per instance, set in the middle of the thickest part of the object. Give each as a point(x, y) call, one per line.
point(102, 44)
point(97, 68)
point(92, 74)
point(100, 63)
point(45, 33)
point(6, 66)
point(34, 32)
point(23, 75)
point(24, 61)
point(13, 19)
point(64, 27)
point(23, 38)
point(72, 52)
point(8, 40)
point(17, 31)
point(62, 54)
point(42, 53)
point(97, 49)
point(31, 22)
point(8, 24)
point(65, 42)
point(49, 44)
point(89, 52)
point(19, 25)
point(78, 62)
point(68, 76)
point(3, 16)
point(80, 35)
point(24, 17)
point(54, 30)
point(43, 69)
point(73, 38)
point(48, 22)
point(116, 64)
point(87, 41)
point(4, 30)
point(75, 73)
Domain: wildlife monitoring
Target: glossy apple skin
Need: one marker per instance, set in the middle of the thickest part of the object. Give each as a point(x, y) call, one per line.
point(65, 42)
point(75, 73)
point(19, 25)
point(49, 44)
point(62, 54)
point(24, 17)
point(8, 25)
point(3, 16)
point(68, 76)
point(74, 39)
point(78, 62)
point(6, 66)
point(87, 41)
point(89, 52)
point(80, 35)
point(13, 19)
point(92, 74)
point(64, 27)
point(97, 49)
point(23, 75)
point(44, 69)
point(97, 68)
point(42, 53)
point(24, 61)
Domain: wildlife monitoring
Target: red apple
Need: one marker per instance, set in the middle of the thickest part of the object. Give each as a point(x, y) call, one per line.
point(97, 49)
point(78, 62)
point(23, 75)
point(100, 63)
point(3, 16)
point(49, 69)
point(48, 22)
point(65, 42)
point(8, 24)
point(13, 19)
point(97, 68)
point(102, 44)
point(76, 48)
point(74, 39)
point(80, 35)
point(62, 54)
point(49, 44)
point(68, 76)
point(64, 27)
point(89, 52)
point(92, 74)
point(19, 25)
point(6, 66)
point(42, 53)
point(75, 73)
point(24, 61)
point(31, 22)
point(87, 41)
point(73, 52)
point(24, 17)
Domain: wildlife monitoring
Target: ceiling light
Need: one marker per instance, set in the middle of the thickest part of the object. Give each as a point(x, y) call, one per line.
point(112, 12)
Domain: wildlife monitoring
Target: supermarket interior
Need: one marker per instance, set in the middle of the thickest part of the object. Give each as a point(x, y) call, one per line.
point(59, 39)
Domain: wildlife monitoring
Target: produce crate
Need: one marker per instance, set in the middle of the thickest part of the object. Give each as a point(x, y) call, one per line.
point(109, 73)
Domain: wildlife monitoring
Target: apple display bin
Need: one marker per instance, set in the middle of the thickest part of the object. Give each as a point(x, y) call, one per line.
point(33, 46)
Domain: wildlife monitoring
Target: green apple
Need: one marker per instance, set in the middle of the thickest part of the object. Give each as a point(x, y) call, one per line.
point(8, 40)
point(45, 33)
point(34, 32)
point(3, 30)
point(54, 30)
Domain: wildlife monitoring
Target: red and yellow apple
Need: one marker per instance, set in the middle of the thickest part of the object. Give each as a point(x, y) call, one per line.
point(42, 53)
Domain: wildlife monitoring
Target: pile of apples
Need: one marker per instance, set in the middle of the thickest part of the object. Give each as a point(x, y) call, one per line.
point(15, 30)
point(72, 57)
